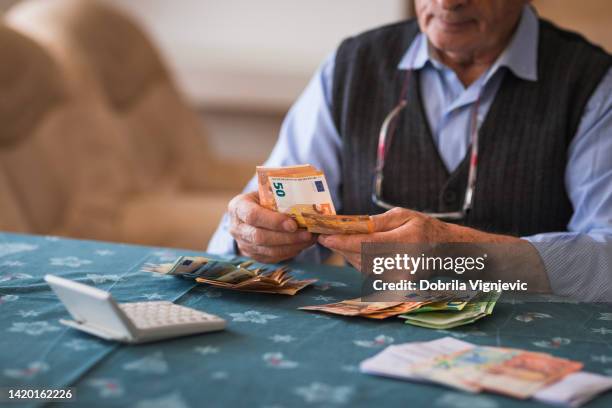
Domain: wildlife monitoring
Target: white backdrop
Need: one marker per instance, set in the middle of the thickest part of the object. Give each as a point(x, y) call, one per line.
point(253, 54)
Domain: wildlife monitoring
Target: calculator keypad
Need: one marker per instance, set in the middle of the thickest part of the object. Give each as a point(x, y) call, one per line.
point(148, 315)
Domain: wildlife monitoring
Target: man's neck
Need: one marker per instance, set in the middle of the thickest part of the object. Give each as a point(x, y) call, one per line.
point(469, 66)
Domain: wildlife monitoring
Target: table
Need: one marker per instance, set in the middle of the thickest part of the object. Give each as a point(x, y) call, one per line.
point(270, 355)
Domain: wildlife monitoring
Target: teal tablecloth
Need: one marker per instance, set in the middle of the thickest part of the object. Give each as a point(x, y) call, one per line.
point(270, 355)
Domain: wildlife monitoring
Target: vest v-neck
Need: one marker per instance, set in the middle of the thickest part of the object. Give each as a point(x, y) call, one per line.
point(415, 92)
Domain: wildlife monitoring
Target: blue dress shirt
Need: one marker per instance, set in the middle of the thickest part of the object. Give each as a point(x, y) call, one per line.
point(579, 260)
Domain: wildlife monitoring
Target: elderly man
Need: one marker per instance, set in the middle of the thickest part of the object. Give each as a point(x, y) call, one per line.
point(478, 122)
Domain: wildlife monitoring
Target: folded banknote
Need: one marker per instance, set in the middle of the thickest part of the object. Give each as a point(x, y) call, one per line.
point(383, 310)
point(236, 275)
point(453, 314)
point(338, 224)
point(513, 372)
point(372, 310)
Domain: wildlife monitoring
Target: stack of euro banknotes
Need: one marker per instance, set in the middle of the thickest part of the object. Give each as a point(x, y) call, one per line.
point(302, 192)
point(440, 310)
point(245, 276)
point(511, 372)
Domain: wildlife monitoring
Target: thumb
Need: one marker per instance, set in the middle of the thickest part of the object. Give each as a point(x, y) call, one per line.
point(392, 219)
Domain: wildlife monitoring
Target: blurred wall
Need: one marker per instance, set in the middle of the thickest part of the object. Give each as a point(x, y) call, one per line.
point(242, 63)
point(258, 55)
point(253, 55)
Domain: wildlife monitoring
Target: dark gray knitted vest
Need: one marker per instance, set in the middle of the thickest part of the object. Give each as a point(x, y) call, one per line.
point(523, 141)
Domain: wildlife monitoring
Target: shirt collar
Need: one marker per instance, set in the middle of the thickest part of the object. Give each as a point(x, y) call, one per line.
point(520, 56)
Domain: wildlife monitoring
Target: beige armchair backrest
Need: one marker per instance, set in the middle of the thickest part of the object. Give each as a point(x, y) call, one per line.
point(11, 214)
point(105, 49)
point(62, 160)
point(118, 154)
point(32, 91)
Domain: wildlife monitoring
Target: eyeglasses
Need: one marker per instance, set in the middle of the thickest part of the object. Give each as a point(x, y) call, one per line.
point(384, 140)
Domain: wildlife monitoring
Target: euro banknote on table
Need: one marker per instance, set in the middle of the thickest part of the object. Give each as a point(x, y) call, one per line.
point(235, 275)
point(371, 310)
point(512, 372)
point(382, 310)
point(516, 373)
point(302, 192)
point(453, 314)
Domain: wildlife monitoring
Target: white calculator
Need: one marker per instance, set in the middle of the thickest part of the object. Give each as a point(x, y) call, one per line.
point(96, 312)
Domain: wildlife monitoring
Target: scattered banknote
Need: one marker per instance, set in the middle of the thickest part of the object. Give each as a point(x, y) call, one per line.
point(451, 314)
point(396, 360)
point(451, 305)
point(575, 389)
point(235, 275)
point(302, 192)
point(383, 310)
point(372, 310)
point(447, 301)
point(512, 372)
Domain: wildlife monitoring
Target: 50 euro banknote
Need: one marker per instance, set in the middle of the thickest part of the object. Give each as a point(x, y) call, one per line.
point(302, 192)
point(266, 194)
point(300, 195)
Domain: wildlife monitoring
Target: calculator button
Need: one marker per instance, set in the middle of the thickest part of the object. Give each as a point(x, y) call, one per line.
point(146, 315)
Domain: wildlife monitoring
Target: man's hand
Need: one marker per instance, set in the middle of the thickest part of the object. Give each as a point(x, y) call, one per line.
point(264, 235)
point(400, 225)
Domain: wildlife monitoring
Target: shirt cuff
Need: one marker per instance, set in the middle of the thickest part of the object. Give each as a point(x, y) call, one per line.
point(222, 242)
point(578, 264)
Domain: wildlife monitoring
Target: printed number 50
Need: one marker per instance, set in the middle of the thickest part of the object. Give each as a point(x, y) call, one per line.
point(278, 189)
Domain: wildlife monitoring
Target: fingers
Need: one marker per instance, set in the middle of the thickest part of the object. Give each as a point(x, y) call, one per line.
point(266, 254)
point(246, 209)
point(392, 219)
point(352, 242)
point(385, 230)
point(344, 243)
point(259, 236)
point(264, 235)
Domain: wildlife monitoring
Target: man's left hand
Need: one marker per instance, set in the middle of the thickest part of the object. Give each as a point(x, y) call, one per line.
point(401, 225)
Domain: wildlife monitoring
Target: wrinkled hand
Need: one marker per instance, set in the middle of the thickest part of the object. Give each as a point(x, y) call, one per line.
point(400, 225)
point(264, 235)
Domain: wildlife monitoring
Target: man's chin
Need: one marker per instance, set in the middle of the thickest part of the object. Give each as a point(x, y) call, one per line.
point(452, 43)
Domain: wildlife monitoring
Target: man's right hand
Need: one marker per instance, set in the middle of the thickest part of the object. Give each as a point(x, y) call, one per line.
point(264, 235)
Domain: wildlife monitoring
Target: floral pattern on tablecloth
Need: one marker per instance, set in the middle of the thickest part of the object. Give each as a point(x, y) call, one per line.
point(270, 355)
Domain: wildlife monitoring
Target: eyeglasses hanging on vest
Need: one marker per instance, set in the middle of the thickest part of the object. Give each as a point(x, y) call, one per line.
point(385, 137)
